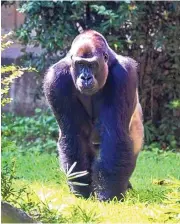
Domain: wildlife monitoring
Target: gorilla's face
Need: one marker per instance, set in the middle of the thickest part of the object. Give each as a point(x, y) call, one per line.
point(89, 68)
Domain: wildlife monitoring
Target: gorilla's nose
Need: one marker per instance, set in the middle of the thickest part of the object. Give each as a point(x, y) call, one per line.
point(87, 79)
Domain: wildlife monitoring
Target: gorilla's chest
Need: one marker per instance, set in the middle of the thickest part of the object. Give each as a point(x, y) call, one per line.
point(95, 134)
point(92, 107)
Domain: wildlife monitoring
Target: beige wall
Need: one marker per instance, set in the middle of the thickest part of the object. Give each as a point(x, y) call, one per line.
point(11, 18)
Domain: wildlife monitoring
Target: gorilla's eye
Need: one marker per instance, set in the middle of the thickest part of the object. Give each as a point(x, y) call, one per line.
point(80, 64)
point(105, 57)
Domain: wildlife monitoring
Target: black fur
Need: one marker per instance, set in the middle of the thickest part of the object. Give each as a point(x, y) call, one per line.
point(112, 109)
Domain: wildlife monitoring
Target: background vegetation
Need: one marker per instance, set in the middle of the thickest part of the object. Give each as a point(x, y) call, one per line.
point(147, 31)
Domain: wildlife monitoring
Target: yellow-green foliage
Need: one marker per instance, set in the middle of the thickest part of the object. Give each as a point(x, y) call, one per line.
point(9, 72)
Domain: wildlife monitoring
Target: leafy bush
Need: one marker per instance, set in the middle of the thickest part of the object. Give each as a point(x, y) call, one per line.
point(36, 134)
point(169, 128)
point(166, 133)
point(146, 31)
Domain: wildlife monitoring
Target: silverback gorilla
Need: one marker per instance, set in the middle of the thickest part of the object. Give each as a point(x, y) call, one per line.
point(93, 95)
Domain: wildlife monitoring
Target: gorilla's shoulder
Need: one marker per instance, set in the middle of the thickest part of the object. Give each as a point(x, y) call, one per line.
point(56, 72)
point(127, 62)
point(61, 67)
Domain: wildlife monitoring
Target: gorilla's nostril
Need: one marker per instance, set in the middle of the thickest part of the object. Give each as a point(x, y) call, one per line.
point(86, 78)
point(82, 77)
point(89, 78)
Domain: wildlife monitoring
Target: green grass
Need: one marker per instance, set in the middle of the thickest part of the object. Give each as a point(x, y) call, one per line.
point(146, 203)
point(39, 187)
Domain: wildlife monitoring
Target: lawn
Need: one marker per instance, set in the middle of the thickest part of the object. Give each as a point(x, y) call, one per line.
point(32, 179)
point(154, 198)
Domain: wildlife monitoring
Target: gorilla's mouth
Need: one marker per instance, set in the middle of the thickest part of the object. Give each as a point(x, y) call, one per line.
point(87, 89)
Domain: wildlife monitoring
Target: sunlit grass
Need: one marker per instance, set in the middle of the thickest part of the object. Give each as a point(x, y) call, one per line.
point(152, 199)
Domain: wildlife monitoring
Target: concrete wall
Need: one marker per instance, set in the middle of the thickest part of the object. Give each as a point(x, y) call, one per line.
point(24, 89)
point(10, 17)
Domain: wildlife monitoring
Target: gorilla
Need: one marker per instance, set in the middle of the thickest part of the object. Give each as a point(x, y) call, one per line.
point(94, 98)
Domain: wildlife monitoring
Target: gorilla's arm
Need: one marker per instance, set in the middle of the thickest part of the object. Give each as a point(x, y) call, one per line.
point(136, 128)
point(60, 93)
point(116, 161)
